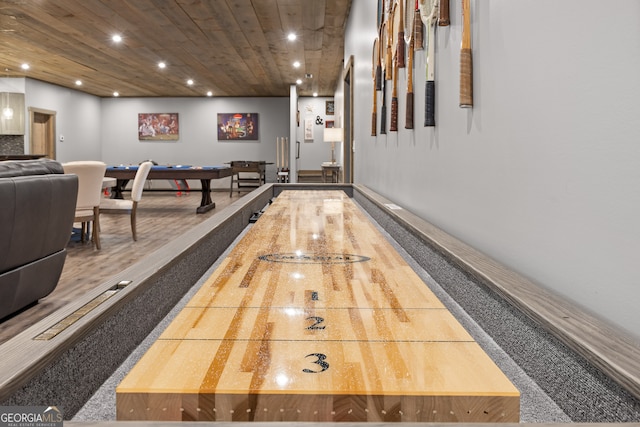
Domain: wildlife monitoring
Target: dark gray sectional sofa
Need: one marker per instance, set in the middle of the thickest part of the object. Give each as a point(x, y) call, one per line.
point(37, 206)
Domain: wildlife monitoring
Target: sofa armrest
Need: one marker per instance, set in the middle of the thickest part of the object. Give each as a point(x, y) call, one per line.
point(36, 217)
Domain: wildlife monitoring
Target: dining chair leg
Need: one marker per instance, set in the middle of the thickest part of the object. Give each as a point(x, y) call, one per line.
point(96, 226)
point(134, 209)
point(84, 232)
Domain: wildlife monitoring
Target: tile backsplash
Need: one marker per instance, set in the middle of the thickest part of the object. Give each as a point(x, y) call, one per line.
point(11, 144)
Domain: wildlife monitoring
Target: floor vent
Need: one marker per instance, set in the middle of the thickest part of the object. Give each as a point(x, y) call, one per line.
point(81, 312)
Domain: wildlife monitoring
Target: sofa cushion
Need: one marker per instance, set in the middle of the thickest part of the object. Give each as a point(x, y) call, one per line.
point(29, 167)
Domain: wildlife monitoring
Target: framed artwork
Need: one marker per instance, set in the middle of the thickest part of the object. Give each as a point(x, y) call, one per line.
point(158, 127)
point(238, 127)
point(329, 107)
point(329, 124)
point(308, 130)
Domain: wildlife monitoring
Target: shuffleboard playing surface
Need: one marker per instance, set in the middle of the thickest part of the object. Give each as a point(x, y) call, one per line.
point(314, 316)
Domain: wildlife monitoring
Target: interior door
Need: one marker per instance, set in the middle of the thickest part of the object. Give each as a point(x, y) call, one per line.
point(42, 132)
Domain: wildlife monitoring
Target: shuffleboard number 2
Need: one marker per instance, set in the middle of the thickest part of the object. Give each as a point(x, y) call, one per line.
point(320, 361)
point(317, 324)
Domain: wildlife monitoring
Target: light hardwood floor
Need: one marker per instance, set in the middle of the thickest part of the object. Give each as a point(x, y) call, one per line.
point(162, 216)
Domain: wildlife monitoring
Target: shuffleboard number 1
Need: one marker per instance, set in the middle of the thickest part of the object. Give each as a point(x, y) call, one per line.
point(320, 361)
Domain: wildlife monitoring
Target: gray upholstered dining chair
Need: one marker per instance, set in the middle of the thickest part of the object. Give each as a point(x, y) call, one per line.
point(131, 206)
point(90, 174)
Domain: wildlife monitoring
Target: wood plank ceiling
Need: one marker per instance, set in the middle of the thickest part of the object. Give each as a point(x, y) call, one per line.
point(228, 47)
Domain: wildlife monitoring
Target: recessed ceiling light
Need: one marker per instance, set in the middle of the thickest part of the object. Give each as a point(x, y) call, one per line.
point(116, 94)
point(78, 82)
point(296, 64)
point(25, 66)
point(116, 38)
point(291, 37)
point(162, 65)
point(190, 82)
point(315, 94)
point(209, 93)
point(299, 82)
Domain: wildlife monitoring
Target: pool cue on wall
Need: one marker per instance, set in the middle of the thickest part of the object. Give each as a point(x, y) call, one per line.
point(288, 153)
point(284, 172)
point(282, 154)
point(443, 19)
point(278, 156)
point(429, 14)
point(466, 64)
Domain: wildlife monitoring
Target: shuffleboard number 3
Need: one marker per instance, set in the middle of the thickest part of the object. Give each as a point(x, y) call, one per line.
point(320, 361)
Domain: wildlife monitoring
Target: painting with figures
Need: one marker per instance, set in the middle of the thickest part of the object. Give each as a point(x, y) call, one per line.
point(158, 126)
point(238, 127)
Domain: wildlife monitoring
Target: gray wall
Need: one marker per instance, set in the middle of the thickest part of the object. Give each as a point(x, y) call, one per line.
point(198, 143)
point(77, 118)
point(106, 128)
point(543, 173)
point(314, 152)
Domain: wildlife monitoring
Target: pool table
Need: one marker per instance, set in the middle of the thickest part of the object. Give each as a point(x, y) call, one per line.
point(204, 173)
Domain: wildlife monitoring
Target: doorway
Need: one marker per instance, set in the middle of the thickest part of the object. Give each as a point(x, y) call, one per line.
point(42, 135)
point(348, 152)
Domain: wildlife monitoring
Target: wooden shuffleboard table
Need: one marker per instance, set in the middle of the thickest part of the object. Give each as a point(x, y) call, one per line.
point(314, 316)
point(205, 174)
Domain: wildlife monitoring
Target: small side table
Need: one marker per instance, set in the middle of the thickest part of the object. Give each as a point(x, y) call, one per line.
point(283, 175)
point(332, 170)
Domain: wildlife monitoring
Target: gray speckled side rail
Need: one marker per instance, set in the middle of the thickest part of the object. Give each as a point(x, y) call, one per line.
point(612, 351)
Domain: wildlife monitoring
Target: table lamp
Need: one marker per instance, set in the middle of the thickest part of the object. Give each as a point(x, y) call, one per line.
point(333, 135)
